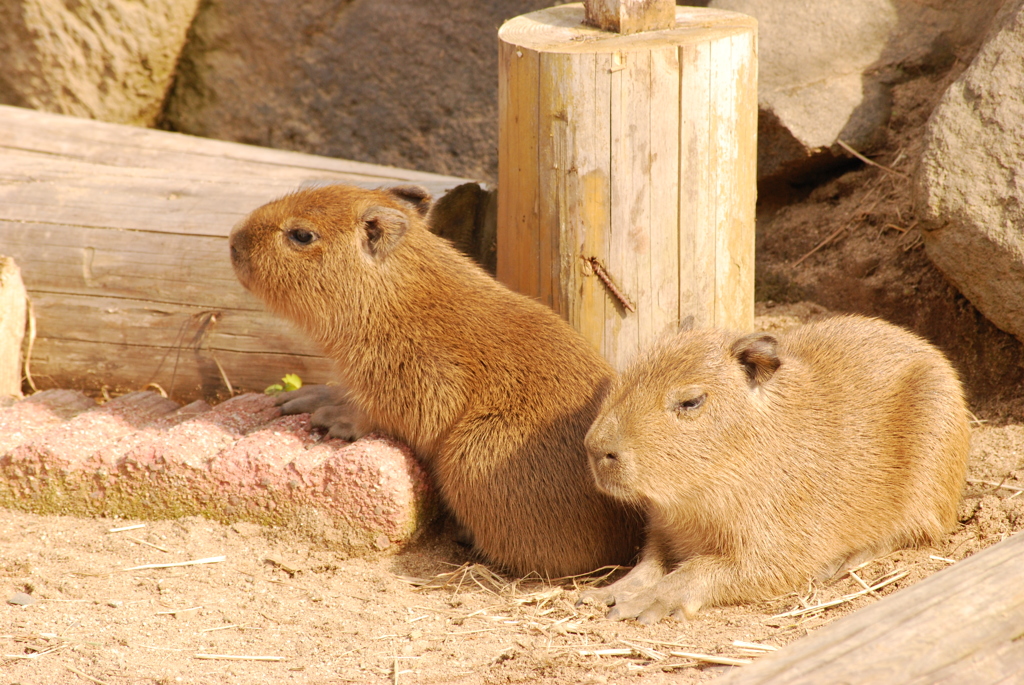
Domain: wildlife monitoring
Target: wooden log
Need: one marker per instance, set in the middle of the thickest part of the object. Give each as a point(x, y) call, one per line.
point(631, 157)
point(12, 327)
point(964, 624)
point(121, 236)
point(631, 16)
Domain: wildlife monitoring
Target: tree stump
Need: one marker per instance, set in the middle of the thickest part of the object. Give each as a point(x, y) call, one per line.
point(12, 327)
point(627, 172)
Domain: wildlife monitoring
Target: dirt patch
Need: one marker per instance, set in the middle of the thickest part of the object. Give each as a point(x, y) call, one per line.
point(852, 244)
point(358, 620)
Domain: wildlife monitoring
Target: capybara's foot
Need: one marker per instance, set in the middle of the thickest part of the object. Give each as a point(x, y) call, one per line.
point(330, 410)
point(644, 576)
point(647, 606)
point(308, 398)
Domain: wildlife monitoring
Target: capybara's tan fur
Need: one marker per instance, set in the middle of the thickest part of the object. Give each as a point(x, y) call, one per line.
point(491, 389)
point(763, 460)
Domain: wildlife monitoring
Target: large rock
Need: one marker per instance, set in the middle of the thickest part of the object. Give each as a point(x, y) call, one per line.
point(409, 83)
point(970, 183)
point(826, 69)
point(112, 60)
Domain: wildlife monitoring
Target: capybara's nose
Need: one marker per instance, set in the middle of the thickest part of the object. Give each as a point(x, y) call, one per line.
point(236, 253)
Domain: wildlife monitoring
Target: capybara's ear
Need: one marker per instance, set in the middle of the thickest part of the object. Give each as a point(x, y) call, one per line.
point(382, 230)
point(758, 354)
point(417, 196)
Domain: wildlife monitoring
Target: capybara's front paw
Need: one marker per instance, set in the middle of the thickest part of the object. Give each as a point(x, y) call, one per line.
point(330, 410)
point(601, 596)
point(644, 577)
point(308, 399)
point(647, 607)
point(341, 421)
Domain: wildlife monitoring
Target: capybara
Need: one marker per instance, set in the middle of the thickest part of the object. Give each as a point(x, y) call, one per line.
point(492, 390)
point(764, 460)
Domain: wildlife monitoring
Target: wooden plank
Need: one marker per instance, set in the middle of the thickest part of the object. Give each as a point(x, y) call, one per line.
point(552, 132)
point(964, 624)
point(518, 191)
point(12, 327)
point(733, 125)
point(179, 199)
point(162, 268)
point(101, 143)
point(593, 202)
point(662, 310)
point(575, 95)
point(629, 243)
point(146, 323)
point(182, 372)
point(696, 206)
point(121, 235)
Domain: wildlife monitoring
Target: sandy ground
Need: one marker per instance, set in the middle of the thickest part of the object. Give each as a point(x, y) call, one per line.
point(849, 242)
point(316, 618)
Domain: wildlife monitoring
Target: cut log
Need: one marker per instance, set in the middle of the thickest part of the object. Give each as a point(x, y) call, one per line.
point(626, 178)
point(12, 327)
point(121, 236)
point(964, 624)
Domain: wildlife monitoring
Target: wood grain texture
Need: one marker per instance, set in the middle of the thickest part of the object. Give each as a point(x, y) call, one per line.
point(12, 327)
point(637, 154)
point(631, 16)
point(517, 145)
point(964, 624)
point(121, 236)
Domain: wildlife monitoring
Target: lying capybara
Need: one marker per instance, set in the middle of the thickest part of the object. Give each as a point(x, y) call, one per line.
point(763, 460)
point(491, 389)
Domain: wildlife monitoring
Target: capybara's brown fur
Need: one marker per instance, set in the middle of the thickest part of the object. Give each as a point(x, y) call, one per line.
point(763, 460)
point(491, 389)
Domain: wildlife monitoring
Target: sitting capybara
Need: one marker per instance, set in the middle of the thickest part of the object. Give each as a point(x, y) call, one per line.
point(763, 460)
point(492, 390)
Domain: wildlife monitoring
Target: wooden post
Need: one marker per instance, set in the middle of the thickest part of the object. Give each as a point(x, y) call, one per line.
point(629, 159)
point(12, 327)
point(631, 16)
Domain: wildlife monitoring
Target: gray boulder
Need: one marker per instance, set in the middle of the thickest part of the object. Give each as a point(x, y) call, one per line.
point(969, 188)
point(103, 59)
point(826, 69)
point(409, 83)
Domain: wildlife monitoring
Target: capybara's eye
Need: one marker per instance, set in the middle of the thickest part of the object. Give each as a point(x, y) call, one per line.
point(301, 236)
point(692, 403)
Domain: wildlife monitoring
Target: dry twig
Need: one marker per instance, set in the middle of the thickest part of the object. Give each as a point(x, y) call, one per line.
point(84, 675)
point(996, 486)
point(602, 274)
point(196, 562)
point(239, 657)
point(754, 646)
point(873, 163)
point(148, 544)
point(887, 579)
point(713, 659)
